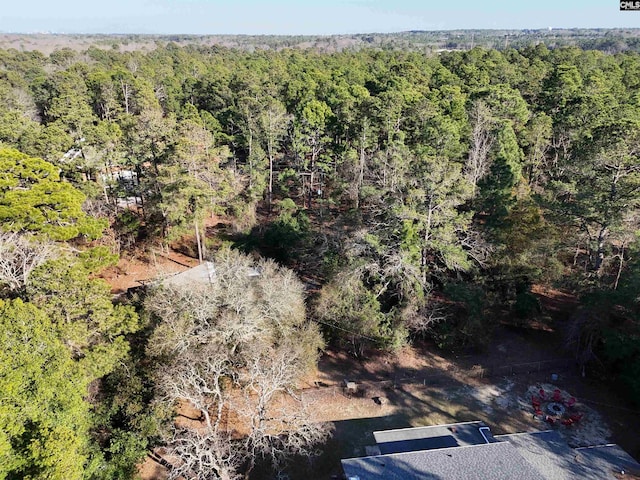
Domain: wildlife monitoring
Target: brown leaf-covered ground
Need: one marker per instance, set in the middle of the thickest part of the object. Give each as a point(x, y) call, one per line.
point(420, 385)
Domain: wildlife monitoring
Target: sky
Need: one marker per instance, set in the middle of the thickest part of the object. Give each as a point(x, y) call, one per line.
point(299, 17)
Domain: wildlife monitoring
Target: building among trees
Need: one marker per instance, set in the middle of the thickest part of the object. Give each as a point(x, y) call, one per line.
point(462, 451)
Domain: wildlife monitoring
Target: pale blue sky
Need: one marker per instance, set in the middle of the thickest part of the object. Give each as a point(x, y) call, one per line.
point(290, 17)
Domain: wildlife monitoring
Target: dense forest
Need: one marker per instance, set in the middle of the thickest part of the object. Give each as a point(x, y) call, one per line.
point(418, 195)
point(609, 40)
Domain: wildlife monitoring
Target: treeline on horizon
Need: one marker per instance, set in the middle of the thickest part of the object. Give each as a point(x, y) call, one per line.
point(418, 195)
point(609, 40)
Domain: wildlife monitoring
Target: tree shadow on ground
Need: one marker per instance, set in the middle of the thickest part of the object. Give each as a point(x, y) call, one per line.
point(409, 409)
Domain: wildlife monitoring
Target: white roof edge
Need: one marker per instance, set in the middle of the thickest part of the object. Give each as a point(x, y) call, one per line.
point(599, 446)
point(457, 447)
point(522, 433)
point(428, 426)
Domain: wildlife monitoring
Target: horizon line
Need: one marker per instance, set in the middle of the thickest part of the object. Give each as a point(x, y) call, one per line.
point(415, 31)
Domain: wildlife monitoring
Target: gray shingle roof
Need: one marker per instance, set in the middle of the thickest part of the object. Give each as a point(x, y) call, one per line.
point(477, 462)
point(546, 451)
point(551, 456)
point(605, 460)
point(459, 452)
point(431, 437)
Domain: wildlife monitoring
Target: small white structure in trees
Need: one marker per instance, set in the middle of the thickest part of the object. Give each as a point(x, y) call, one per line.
point(202, 274)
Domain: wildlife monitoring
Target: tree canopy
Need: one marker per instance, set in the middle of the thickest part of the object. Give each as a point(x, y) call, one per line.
point(34, 199)
point(417, 193)
point(44, 420)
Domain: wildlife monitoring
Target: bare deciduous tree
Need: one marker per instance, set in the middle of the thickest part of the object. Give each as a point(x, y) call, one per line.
point(478, 164)
point(204, 455)
point(237, 347)
point(477, 247)
point(19, 256)
point(423, 320)
point(197, 378)
point(280, 426)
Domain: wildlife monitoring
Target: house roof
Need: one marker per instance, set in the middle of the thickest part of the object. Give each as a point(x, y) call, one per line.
point(551, 455)
point(432, 437)
point(607, 461)
point(498, 460)
point(547, 452)
point(204, 273)
point(455, 452)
